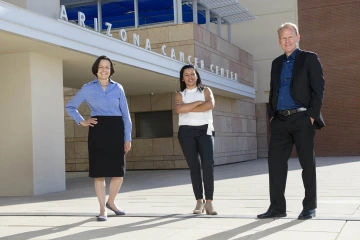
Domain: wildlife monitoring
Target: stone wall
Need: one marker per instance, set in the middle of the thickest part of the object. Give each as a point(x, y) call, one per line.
point(262, 132)
point(196, 41)
point(234, 122)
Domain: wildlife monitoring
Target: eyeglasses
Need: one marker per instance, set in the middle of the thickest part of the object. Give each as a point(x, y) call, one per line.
point(105, 68)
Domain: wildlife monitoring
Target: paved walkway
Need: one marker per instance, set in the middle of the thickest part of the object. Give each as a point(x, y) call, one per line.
point(159, 205)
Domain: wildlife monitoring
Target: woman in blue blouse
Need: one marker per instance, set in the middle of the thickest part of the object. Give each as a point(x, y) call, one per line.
point(109, 133)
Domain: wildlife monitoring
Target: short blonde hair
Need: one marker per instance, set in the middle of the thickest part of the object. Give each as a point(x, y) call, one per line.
point(288, 25)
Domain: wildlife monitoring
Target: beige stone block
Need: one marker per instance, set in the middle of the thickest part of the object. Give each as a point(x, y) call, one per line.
point(133, 127)
point(216, 119)
point(216, 60)
point(158, 34)
point(82, 167)
point(180, 164)
point(174, 157)
point(251, 60)
point(225, 124)
point(242, 143)
point(260, 109)
point(161, 101)
point(221, 160)
point(262, 154)
point(236, 124)
point(70, 150)
point(69, 129)
point(204, 36)
point(252, 143)
point(261, 126)
point(78, 139)
point(248, 75)
point(141, 103)
point(133, 159)
point(142, 147)
point(153, 158)
point(177, 147)
point(129, 165)
point(262, 142)
point(143, 34)
point(213, 41)
point(187, 42)
point(205, 55)
point(244, 125)
point(251, 109)
point(225, 145)
point(144, 165)
point(217, 144)
point(234, 52)
point(175, 123)
point(81, 150)
point(71, 160)
point(173, 100)
point(235, 106)
point(164, 164)
point(70, 167)
point(68, 91)
point(251, 126)
point(128, 100)
point(67, 98)
point(236, 146)
point(163, 146)
point(181, 32)
point(81, 131)
point(84, 109)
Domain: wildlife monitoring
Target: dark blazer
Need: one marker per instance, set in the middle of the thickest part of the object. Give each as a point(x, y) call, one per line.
point(307, 85)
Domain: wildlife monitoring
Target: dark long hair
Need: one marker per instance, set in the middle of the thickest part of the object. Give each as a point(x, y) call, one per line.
point(198, 81)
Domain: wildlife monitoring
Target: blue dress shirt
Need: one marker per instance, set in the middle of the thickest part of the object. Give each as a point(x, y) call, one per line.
point(285, 101)
point(111, 102)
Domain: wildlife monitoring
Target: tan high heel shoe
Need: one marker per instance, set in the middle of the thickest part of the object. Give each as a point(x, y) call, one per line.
point(209, 208)
point(199, 207)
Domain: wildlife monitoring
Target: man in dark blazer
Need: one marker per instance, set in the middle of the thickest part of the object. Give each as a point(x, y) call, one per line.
point(295, 99)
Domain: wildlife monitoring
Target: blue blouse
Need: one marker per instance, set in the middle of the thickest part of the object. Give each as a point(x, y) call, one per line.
point(111, 102)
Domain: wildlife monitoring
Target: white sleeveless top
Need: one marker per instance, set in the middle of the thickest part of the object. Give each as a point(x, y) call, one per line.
point(196, 118)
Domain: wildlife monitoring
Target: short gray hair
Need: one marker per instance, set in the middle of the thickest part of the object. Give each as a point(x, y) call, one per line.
point(288, 25)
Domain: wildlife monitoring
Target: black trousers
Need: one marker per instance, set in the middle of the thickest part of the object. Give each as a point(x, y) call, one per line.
point(194, 142)
point(285, 132)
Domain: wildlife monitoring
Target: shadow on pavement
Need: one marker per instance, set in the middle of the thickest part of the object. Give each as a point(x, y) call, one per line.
point(82, 187)
point(47, 231)
point(236, 231)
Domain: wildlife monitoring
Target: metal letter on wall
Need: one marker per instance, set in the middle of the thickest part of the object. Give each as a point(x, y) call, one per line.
point(163, 49)
point(173, 53)
point(148, 45)
point(108, 29)
point(63, 14)
point(81, 19)
point(123, 35)
point(136, 39)
point(182, 57)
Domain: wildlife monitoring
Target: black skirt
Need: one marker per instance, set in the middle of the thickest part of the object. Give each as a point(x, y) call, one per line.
point(106, 147)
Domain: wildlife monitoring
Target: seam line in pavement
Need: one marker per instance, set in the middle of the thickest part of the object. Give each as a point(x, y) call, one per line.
point(149, 215)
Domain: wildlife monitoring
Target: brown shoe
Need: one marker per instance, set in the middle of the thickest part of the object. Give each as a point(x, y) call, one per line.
point(210, 209)
point(199, 208)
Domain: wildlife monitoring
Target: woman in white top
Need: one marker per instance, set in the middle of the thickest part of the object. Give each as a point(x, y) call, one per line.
point(194, 104)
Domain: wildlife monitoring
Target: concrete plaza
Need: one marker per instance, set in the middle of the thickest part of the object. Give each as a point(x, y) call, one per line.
point(159, 205)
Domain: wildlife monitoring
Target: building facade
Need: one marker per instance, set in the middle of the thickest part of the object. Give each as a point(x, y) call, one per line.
point(47, 50)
